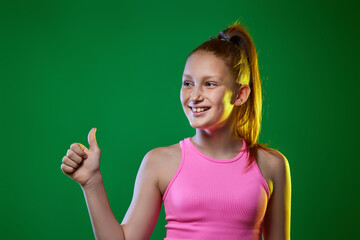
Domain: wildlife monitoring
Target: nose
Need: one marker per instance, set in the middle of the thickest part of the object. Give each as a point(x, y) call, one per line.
point(196, 95)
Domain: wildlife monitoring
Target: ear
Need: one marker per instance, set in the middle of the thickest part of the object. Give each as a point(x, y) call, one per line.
point(243, 94)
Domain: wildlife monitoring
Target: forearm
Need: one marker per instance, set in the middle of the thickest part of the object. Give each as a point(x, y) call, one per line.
point(104, 223)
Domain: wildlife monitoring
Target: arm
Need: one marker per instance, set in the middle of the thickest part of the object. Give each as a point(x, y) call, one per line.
point(104, 223)
point(141, 217)
point(278, 214)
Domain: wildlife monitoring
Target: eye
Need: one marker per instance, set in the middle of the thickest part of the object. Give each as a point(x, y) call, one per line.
point(186, 83)
point(211, 84)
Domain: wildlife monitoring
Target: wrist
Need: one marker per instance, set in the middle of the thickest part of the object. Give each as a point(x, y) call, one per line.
point(93, 181)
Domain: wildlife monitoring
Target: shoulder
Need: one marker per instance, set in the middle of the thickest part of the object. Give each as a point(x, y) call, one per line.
point(158, 156)
point(160, 164)
point(163, 152)
point(277, 217)
point(277, 164)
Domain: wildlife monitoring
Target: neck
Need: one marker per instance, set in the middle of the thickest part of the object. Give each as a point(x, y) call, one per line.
point(219, 141)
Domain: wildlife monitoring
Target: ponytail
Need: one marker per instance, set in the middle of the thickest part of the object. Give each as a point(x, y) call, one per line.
point(239, 53)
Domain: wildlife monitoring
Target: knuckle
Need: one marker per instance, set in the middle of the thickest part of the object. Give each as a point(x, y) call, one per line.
point(66, 161)
point(70, 163)
point(79, 162)
point(63, 168)
point(70, 153)
point(68, 169)
point(74, 145)
point(75, 164)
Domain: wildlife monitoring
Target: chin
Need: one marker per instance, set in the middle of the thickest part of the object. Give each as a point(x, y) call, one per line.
point(199, 126)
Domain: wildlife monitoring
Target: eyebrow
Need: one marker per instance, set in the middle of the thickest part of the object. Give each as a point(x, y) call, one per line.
point(206, 77)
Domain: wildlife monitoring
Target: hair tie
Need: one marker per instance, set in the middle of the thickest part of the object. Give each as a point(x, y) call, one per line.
point(234, 39)
point(225, 37)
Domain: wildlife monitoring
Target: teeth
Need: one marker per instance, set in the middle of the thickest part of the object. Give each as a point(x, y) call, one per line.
point(198, 109)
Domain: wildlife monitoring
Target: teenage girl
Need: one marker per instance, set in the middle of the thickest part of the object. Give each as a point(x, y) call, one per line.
point(220, 183)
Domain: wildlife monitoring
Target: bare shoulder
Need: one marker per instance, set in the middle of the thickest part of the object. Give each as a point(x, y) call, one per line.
point(163, 162)
point(155, 159)
point(276, 163)
point(141, 217)
point(277, 217)
point(161, 154)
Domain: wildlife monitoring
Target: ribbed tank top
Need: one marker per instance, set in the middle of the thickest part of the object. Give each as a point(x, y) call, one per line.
point(209, 198)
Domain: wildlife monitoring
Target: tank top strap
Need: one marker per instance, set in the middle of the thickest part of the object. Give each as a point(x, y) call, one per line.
point(183, 148)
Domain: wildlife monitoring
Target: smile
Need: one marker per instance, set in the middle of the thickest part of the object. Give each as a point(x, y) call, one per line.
point(199, 111)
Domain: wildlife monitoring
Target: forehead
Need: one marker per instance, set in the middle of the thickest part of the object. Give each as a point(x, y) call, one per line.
point(206, 64)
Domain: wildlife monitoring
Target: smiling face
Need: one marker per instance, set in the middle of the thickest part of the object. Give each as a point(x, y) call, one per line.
point(207, 91)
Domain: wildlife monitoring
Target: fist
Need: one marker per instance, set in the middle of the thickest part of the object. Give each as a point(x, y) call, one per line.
point(82, 164)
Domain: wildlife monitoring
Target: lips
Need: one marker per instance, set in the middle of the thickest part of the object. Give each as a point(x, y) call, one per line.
point(206, 107)
point(199, 110)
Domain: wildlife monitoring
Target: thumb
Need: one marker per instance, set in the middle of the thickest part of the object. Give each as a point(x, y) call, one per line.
point(92, 140)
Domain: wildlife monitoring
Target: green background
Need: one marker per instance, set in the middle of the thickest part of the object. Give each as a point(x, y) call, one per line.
point(68, 66)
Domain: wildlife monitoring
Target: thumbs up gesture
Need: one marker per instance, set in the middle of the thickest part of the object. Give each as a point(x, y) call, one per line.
point(82, 164)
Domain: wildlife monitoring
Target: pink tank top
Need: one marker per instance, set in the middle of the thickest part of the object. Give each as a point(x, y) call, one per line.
point(209, 198)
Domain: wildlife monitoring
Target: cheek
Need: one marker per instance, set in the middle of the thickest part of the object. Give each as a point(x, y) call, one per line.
point(183, 101)
point(183, 96)
point(228, 106)
point(218, 98)
point(223, 101)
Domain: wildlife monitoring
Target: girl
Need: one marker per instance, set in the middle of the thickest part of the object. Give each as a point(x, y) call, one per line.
point(220, 183)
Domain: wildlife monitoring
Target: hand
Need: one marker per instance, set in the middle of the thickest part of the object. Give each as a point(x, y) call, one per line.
point(82, 164)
